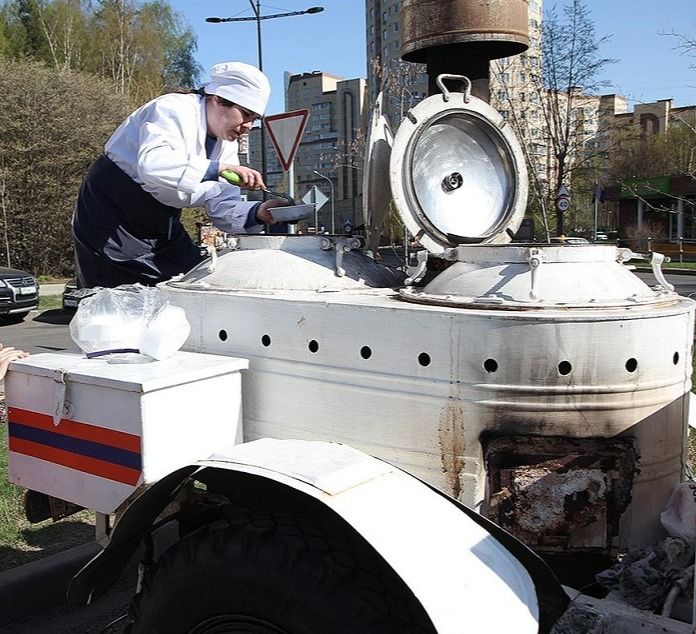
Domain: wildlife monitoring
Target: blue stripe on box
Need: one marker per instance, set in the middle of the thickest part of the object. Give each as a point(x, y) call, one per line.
point(76, 445)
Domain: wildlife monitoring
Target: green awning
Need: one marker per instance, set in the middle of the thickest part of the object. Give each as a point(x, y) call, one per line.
point(653, 187)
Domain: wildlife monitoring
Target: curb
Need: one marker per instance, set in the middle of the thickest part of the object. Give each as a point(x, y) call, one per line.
point(41, 584)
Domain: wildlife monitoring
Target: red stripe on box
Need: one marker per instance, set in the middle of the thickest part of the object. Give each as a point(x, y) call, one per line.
point(85, 464)
point(67, 427)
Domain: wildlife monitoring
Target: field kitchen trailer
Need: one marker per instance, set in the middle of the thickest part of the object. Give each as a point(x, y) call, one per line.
point(309, 462)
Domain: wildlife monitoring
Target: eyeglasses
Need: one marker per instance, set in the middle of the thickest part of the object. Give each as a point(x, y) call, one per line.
point(248, 115)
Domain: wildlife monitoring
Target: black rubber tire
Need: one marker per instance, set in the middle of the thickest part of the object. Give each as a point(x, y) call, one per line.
point(274, 574)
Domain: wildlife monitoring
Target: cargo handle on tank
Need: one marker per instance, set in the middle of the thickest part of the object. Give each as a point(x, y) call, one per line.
point(535, 260)
point(656, 260)
point(440, 81)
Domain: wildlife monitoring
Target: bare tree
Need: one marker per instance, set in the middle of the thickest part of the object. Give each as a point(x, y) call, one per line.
point(557, 84)
point(686, 44)
point(64, 26)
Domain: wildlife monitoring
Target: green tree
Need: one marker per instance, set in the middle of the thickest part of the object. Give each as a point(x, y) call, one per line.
point(143, 48)
point(52, 126)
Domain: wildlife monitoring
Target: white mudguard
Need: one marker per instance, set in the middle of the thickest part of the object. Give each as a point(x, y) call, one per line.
point(455, 568)
point(463, 576)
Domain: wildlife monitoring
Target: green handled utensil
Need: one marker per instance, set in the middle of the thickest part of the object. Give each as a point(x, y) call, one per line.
point(235, 179)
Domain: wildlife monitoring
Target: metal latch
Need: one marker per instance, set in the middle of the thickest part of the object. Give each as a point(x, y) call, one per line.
point(61, 408)
point(656, 261)
point(212, 251)
point(416, 273)
point(341, 246)
point(535, 260)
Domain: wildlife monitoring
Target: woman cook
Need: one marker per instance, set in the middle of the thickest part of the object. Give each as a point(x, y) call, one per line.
point(167, 155)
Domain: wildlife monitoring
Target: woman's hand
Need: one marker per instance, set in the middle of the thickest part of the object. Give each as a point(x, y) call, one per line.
point(7, 355)
point(251, 179)
point(264, 214)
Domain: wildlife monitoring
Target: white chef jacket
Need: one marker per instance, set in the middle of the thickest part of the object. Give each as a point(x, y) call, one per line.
point(161, 146)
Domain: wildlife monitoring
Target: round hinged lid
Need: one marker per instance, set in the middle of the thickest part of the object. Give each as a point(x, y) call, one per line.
point(266, 263)
point(542, 276)
point(457, 172)
point(376, 193)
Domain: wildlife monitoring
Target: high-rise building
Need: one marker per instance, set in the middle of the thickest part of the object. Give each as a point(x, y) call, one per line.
point(404, 84)
point(515, 92)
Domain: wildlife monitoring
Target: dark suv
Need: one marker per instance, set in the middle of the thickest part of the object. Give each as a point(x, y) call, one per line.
point(19, 293)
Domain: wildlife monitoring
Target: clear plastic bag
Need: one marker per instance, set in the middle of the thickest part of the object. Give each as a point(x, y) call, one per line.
point(129, 319)
point(679, 517)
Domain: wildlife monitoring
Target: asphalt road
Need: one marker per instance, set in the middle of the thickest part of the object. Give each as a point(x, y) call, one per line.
point(683, 284)
point(39, 332)
point(48, 332)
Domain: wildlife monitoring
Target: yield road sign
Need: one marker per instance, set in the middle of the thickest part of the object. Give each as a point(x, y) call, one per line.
point(315, 196)
point(286, 130)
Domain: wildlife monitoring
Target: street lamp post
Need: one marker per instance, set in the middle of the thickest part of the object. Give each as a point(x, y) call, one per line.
point(333, 215)
point(256, 8)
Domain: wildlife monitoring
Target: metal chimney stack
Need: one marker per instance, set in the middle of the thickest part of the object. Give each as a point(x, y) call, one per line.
point(462, 36)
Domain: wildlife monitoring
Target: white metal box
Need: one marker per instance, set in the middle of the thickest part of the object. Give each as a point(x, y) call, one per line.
point(91, 431)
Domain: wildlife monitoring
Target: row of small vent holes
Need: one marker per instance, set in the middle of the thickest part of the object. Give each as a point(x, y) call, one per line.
point(313, 346)
point(489, 365)
point(566, 367)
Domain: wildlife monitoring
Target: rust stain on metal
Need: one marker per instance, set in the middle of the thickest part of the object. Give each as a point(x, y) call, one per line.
point(497, 28)
point(452, 445)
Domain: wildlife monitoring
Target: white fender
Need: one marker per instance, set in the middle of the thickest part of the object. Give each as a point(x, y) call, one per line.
point(464, 578)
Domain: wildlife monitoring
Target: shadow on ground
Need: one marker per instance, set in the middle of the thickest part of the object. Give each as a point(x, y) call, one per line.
point(54, 316)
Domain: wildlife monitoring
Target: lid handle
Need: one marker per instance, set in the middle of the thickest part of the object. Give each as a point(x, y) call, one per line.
point(446, 93)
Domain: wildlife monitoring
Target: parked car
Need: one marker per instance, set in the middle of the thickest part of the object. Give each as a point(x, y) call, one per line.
point(19, 293)
point(72, 296)
point(568, 240)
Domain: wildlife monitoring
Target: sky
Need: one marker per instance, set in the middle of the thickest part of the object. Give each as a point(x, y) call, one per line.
point(648, 67)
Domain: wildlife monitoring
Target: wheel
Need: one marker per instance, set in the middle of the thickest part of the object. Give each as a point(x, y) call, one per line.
point(259, 573)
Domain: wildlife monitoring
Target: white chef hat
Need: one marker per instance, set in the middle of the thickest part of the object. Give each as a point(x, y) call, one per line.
point(240, 83)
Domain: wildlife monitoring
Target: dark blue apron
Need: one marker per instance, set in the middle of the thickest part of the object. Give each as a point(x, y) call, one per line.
point(124, 235)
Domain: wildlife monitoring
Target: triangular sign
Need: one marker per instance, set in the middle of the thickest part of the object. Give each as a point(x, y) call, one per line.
point(286, 130)
point(563, 192)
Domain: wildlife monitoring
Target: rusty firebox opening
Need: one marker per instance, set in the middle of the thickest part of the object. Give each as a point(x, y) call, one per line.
point(560, 494)
point(461, 37)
